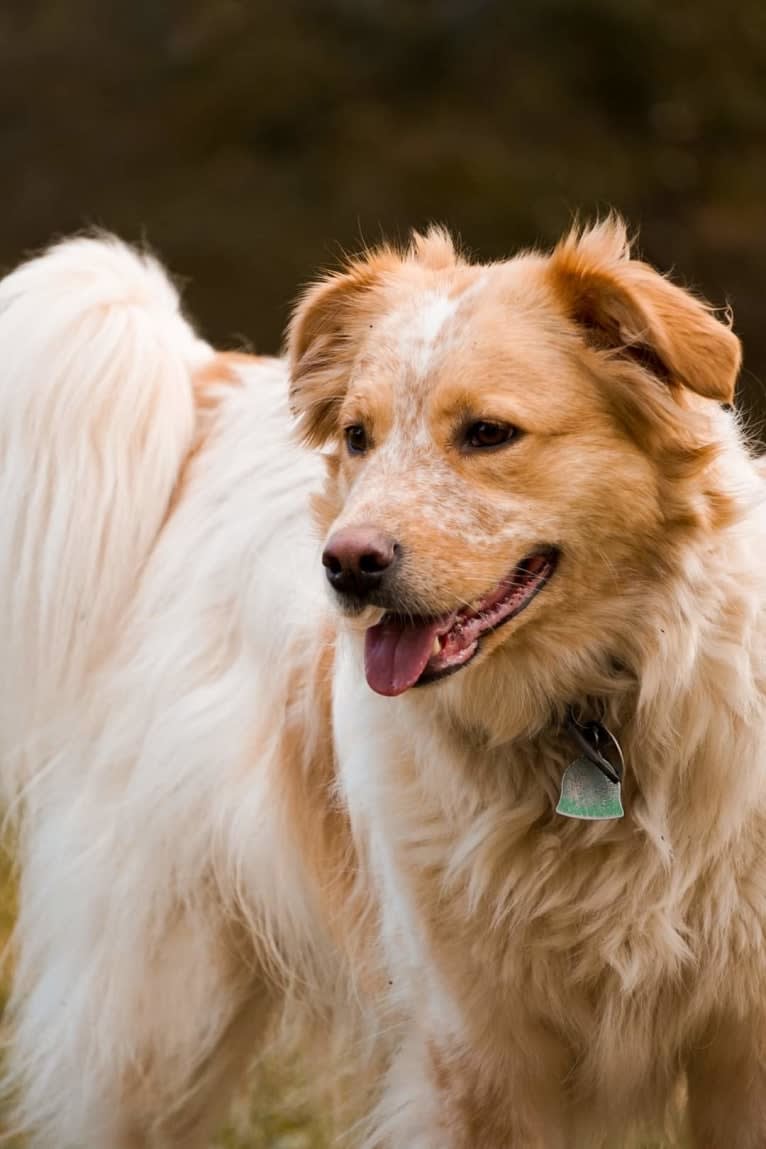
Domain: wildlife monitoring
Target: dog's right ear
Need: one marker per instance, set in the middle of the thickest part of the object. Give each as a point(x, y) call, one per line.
point(323, 339)
point(626, 307)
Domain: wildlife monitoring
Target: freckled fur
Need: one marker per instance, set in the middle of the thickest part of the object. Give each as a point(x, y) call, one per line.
point(223, 832)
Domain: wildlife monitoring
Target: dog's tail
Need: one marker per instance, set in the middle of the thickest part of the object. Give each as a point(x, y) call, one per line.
point(96, 417)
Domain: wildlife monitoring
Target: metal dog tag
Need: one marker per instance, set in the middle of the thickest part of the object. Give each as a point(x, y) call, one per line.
point(587, 793)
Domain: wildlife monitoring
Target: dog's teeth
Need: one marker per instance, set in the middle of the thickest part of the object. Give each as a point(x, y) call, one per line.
point(437, 647)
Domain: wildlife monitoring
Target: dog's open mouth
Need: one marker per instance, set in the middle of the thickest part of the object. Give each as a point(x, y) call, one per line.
point(403, 651)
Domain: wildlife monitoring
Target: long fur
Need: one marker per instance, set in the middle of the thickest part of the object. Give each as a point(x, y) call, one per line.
point(219, 824)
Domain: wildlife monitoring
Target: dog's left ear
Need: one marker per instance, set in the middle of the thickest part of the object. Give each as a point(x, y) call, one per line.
point(626, 306)
point(322, 341)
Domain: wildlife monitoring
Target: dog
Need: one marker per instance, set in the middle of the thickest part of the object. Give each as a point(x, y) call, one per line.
point(299, 657)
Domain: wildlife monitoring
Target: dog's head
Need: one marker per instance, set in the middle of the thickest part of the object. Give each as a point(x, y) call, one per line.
point(516, 451)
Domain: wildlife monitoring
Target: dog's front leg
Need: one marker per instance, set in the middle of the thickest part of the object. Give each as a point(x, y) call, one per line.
point(727, 1085)
point(441, 1095)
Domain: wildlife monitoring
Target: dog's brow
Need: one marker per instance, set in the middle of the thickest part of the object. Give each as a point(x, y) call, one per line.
point(419, 328)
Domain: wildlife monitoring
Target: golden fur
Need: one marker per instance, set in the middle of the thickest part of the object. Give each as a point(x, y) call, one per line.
point(394, 868)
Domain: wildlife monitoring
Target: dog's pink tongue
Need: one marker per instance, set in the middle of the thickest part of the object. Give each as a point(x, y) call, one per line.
point(395, 655)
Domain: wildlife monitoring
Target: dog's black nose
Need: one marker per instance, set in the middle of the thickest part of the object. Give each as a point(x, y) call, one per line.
point(357, 558)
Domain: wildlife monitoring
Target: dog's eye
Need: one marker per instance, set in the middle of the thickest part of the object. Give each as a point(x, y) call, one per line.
point(356, 439)
point(486, 434)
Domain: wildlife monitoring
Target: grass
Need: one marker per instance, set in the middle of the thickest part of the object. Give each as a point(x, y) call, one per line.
point(7, 913)
point(273, 1115)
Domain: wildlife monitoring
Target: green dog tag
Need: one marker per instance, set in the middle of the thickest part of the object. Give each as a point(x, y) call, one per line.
point(588, 794)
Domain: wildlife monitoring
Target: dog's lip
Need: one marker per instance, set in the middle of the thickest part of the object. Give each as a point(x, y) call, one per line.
point(457, 635)
point(460, 640)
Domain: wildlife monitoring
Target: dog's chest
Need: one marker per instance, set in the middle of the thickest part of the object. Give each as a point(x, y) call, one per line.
point(576, 973)
point(492, 919)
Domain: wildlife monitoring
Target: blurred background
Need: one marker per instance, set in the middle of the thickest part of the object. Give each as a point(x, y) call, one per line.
point(249, 142)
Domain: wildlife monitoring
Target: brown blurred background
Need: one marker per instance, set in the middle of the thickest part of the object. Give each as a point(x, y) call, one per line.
point(250, 141)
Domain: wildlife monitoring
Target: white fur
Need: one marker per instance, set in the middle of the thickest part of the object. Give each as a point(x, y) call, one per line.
point(418, 333)
point(96, 415)
point(113, 710)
